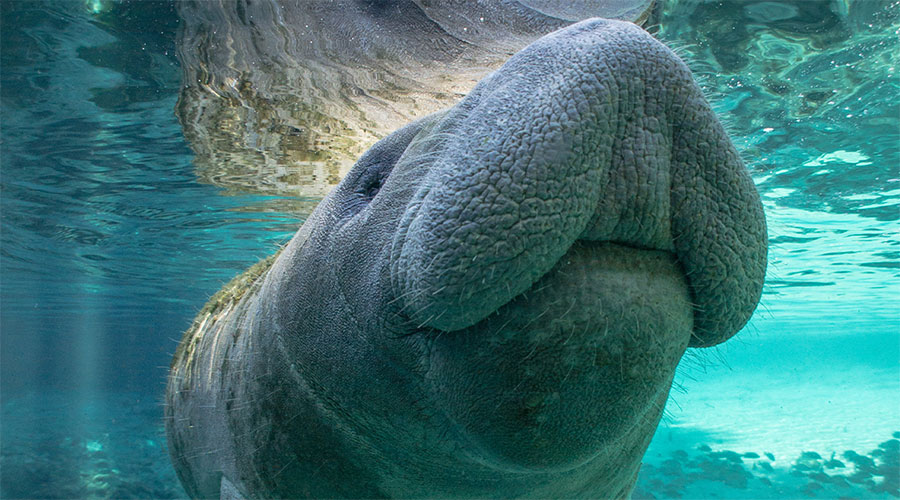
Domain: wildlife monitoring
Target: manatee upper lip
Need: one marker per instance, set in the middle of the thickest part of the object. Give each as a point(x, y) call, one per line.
point(595, 132)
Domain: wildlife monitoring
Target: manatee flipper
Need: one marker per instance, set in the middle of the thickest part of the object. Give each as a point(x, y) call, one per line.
point(228, 491)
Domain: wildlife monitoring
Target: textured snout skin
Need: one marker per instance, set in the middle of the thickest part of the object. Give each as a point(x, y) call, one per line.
point(593, 133)
point(494, 300)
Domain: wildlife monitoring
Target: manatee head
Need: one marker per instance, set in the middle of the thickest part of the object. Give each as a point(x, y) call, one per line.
point(495, 299)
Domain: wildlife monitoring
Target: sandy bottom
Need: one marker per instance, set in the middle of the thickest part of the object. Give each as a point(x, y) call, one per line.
point(753, 431)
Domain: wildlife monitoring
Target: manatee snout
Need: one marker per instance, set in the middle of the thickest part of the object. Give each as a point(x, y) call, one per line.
point(584, 221)
point(596, 133)
point(493, 302)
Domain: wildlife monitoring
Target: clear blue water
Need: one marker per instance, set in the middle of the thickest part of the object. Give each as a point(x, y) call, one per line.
point(109, 245)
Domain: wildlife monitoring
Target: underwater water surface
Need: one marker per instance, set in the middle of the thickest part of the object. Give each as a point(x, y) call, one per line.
point(110, 244)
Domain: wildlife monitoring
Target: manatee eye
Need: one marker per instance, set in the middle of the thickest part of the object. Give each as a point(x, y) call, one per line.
point(370, 182)
point(362, 190)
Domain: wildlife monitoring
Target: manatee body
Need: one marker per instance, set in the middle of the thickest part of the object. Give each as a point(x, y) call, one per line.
point(493, 302)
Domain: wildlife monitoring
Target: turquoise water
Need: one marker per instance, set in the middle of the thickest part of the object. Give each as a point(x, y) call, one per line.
point(109, 245)
point(810, 93)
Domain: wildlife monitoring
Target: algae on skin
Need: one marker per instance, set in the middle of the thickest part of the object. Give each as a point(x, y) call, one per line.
point(219, 304)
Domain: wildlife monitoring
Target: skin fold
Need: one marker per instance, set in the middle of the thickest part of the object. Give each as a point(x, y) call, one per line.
point(493, 302)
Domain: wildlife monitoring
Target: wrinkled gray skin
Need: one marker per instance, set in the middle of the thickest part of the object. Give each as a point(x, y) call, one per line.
point(493, 302)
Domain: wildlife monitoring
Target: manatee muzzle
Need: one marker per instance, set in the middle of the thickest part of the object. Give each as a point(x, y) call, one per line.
point(598, 133)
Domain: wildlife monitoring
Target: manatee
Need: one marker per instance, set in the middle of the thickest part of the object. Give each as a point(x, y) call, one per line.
point(494, 300)
point(281, 98)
